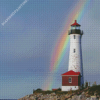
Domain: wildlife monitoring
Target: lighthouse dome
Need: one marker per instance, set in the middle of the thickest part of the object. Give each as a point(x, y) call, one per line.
point(75, 23)
point(75, 29)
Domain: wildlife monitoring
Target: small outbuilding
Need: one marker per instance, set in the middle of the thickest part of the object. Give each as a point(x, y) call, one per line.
point(71, 80)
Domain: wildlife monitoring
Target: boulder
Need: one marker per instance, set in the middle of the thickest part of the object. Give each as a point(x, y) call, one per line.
point(75, 97)
point(53, 94)
point(94, 98)
point(69, 98)
point(88, 99)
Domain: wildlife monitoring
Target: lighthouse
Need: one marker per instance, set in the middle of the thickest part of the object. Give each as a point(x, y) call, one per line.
point(73, 79)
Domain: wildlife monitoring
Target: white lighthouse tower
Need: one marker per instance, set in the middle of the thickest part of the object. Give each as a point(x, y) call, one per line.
point(75, 54)
point(73, 79)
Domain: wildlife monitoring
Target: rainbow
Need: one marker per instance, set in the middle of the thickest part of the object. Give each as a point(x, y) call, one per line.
point(63, 41)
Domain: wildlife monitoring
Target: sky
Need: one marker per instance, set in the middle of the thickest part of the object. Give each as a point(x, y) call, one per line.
point(28, 39)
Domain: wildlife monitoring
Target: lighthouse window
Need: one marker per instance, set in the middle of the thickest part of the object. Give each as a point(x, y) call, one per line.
point(70, 80)
point(74, 37)
point(74, 50)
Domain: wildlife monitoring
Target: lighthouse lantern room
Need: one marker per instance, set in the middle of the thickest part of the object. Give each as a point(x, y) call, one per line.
point(73, 79)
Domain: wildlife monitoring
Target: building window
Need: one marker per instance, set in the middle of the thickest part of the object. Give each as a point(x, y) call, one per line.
point(74, 50)
point(74, 37)
point(70, 80)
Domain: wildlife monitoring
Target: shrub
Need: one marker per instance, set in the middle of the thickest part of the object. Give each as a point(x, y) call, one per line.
point(93, 89)
point(38, 91)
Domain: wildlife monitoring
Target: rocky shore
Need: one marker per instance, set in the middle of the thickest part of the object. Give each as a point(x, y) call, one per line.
point(85, 94)
point(53, 96)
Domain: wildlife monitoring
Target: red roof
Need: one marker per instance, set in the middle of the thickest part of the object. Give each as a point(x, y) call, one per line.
point(54, 89)
point(75, 24)
point(71, 72)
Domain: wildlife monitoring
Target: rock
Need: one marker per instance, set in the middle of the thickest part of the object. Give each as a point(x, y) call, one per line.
point(94, 98)
point(83, 92)
point(67, 96)
point(87, 95)
point(75, 97)
point(79, 97)
point(62, 98)
point(53, 94)
point(95, 93)
point(88, 99)
point(69, 99)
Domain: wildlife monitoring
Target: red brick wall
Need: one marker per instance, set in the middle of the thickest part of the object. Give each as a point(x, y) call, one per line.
point(75, 81)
